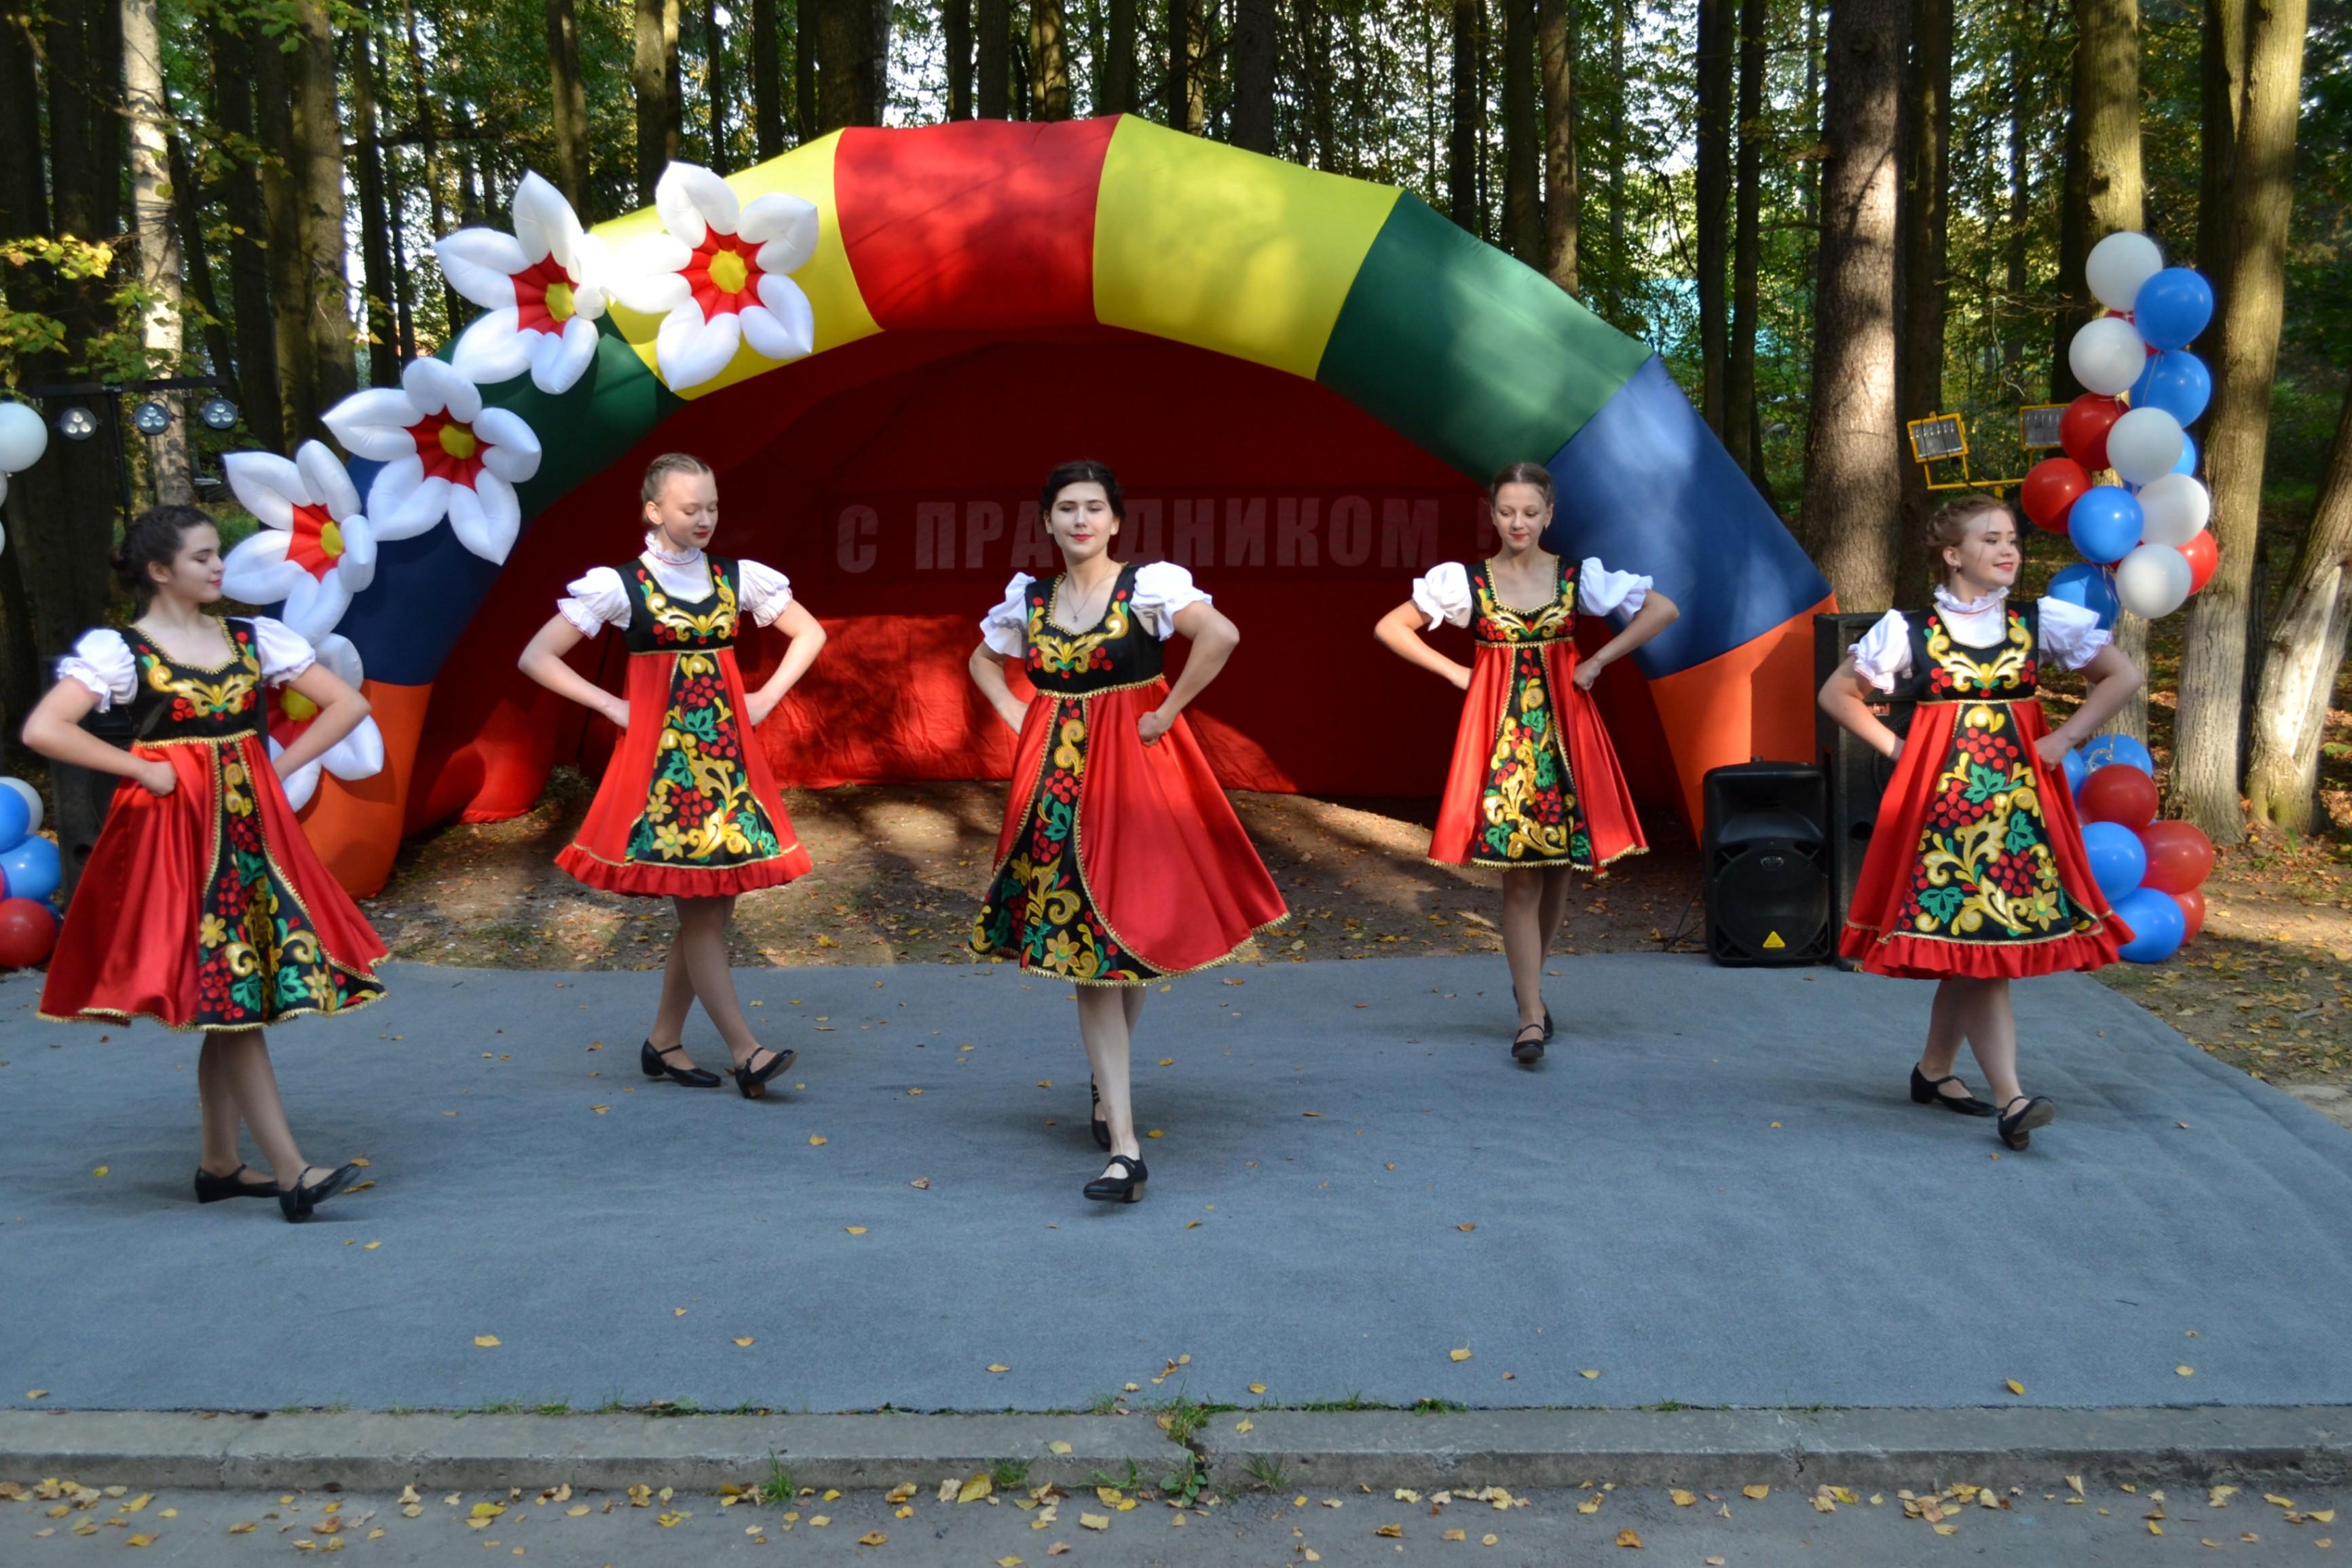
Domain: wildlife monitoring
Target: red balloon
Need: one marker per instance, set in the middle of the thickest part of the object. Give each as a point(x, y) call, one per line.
point(2202, 555)
point(2192, 910)
point(2082, 428)
point(27, 932)
point(2107, 795)
point(2179, 855)
point(2050, 490)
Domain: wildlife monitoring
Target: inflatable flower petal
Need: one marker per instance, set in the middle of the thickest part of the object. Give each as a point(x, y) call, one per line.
point(357, 755)
point(717, 278)
point(314, 550)
point(542, 288)
point(445, 455)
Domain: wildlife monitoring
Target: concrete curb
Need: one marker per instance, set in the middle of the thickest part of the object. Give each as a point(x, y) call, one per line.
point(1324, 1450)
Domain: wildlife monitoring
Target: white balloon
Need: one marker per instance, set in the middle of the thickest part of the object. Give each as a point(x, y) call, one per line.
point(2118, 265)
point(2175, 508)
point(24, 437)
point(2145, 445)
point(2107, 356)
point(32, 801)
point(2153, 581)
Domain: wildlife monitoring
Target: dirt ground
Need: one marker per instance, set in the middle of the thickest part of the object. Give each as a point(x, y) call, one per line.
point(900, 870)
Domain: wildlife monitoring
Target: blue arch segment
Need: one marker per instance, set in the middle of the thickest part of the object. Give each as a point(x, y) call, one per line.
point(1646, 487)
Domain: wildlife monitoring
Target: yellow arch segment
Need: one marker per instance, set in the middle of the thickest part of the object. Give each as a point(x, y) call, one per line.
point(1227, 250)
point(841, 314)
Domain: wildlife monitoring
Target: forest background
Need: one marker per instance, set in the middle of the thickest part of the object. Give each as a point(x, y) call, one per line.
point(1828, 217)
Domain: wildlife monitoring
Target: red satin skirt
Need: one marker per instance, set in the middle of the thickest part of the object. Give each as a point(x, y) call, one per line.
point(1975, 865)
point(1119, 863)
point(206, 908)
point(688, 808)
point(1534, 782)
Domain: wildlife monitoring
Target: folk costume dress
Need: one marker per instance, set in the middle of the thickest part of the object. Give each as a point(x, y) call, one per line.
point(206, 907)
point(1535, 782)
point(1119, 863)
point(1976, 867)
point(687, 807)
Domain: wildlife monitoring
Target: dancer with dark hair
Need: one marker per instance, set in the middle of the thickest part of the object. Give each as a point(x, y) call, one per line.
point(1534, 790)
point(1120, 862)
point(201, 905)
point(1976, 873)
point(688, 809)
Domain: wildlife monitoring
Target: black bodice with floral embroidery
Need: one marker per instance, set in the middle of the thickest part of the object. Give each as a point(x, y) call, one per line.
point(1529, 813)
point(1117, 650)
point(1945, 669)
point(1493, 621)
point(660, 621)
point(176, 702)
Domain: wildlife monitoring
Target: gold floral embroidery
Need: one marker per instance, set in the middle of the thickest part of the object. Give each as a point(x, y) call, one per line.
point(1555, 620)
point(232, 693)
point(683, 625)
point(1068, 652)
point(2009, 665)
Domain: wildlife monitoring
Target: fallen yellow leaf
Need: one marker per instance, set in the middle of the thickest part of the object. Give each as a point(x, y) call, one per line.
point(998, 1366)
point(1462, 1354)
point(1245, 1425)
point(1257, 1388)
point(36, 1394)
point(1682, 1499)
point(1392, 1531)
point(140, 1541)
point(1470, 1225)
point(1008, 1562)
point(1759, 1493)
point(746, 1340)
point(1590, 1504)
point(2014, 1387)
point(1627, 1538)
point(487, 1342)
point(1955, 1530)
point(100, 1171)
point(1094, 1521)
point(872, 1538)
point(1488, 1540)
point(815, 1139)
point(974, 1489)
point(1454, 1535)
point(1058, 1446)
point(1590, 1372)
point(2186, 1371)
point(855, 1229)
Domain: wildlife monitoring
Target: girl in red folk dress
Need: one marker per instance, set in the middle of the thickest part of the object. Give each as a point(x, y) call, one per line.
point(1120, 862)
point(1976, 874)
point(202, 906)
point(1534, 790)
point(687, 810)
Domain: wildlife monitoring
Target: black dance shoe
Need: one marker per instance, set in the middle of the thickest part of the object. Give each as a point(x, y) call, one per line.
point(212, 1189)
point(2016, 1124)
point(297, 1204)
point(1515, 999)
point(752, 1082)
point(1926, 1091)
point(1123, 1189)
point(1094, 1115)
point(1526, 1052)
point(649, 1061)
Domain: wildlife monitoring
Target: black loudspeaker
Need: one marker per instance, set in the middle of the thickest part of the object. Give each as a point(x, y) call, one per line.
point(1857, 773)
point(83, 795)
point(1764, 852)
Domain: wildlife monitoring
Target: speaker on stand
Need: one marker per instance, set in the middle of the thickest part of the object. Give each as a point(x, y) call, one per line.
point(1764, 856)
point(1857, 773)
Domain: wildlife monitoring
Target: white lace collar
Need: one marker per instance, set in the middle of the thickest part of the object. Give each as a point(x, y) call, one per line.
point(654, 549)
point(1948, 601)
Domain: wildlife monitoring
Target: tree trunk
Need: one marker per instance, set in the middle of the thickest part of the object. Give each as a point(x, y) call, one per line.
point(1809, 171)
point(1116, 93)
point(1744, 420)
point(2104, 189)
point(404, 279)
point(844, 32)
point(149, 112)
point(318, 128)
point(1469, 111)
point(569, 92)
point(297, 378)
point(651, 70)
point(804, 16)
point(1523, 214)
point(430, 142)
point(1712, 187)
point(1925, 215)
point(1252, 50)
point(1049, 61)
point(2262, 193)
point(2021, 212)
point(2302, 653)
point(188, 216)
point(375, 215)
point(24, 213)
point(2222, 89)
point(715, 88)
point(1557, 40)
point(1617, 20)
point(249, 263)
point(955, 31)
point(1853, 484)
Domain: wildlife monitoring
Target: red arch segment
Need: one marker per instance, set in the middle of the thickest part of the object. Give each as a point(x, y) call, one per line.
point(990, 228)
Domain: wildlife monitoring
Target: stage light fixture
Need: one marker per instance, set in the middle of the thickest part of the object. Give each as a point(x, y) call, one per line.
point(217, 413)
point(151, 418)
point(77, 423)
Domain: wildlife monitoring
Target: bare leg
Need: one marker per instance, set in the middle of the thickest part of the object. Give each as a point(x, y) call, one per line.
point(244, 1064)
point(702, 933)
point(218, 1102)
point(1946, 1028)
point(1523, 942)
point(1992, 1035)
point(1553, 907)
point(1106, 1015)
point(677, 1001)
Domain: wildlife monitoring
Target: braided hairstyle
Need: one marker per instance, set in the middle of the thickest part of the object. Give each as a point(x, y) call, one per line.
point(153, 539)
point(659, 471)
point(1084, 471)
point(1532, 474)
point(1947, 528)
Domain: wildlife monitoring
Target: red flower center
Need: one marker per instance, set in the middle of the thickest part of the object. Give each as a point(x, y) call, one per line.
point(723, 274)
point(450, 448)
point(318, 542)
point(543, 298)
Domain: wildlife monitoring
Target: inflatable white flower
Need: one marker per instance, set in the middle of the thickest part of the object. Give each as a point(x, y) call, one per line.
point(357, 755)
point(542, 286)
point(444, 454)
point(314, 549)
point(717, 278)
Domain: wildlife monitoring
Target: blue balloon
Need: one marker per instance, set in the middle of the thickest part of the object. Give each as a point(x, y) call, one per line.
point(2104, 523)
point(30, 869)
point(2173, 308)
point(15, 819)
point(2157, 926)
point(2103, 751)
point(2077, 770)
point(2188, 464)
point(2118, 860)
point(2177, 381)
point(2093, 588)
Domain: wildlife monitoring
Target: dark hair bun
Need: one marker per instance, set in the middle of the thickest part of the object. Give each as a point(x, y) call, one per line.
point(153, 539)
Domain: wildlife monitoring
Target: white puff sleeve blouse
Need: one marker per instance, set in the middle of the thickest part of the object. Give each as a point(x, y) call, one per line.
point(1444, 595)
point(1162, 591)
point(600, 599)
point(102, 661)
point(2071, 635)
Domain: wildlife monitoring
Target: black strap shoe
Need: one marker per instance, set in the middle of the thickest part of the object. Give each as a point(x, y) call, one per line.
point(1094, 1114)
point(212, 1189)
point(649, 1061)
point(1124, 1188)
point(295, 1205)
point(1926, 1091)
point(1525, 1051)
point(752, 1081)
point(2021, 1116)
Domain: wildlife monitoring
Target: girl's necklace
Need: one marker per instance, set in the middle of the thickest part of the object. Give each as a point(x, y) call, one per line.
point(1095, 610)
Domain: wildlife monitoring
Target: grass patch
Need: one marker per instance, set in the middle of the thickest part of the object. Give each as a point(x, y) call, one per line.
point(1009, 1475)
point(1266, 1471)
